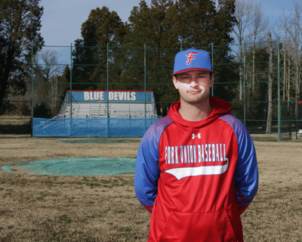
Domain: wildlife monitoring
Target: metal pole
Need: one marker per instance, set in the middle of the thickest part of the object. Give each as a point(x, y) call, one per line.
point(181, 47)
point(244, 86)
point(297, 116)
point(107, 89)
point(145, 79)
point(212, 54)
point(107, 80)
point(70, 81)
point(32, 90)
point(279, 103)
point(290, 119)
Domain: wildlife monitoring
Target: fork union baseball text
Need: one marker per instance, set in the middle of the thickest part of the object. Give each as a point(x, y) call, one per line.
point(195, 153)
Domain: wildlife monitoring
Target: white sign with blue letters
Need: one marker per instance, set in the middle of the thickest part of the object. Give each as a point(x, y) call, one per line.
point(114, 96)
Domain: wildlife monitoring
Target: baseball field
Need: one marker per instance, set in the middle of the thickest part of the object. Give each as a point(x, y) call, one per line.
point(105, 208)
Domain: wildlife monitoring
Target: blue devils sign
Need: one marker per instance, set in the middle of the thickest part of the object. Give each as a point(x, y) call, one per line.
point(114, 96)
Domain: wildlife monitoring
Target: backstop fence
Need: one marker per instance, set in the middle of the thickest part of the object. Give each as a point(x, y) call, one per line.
point(106, 91)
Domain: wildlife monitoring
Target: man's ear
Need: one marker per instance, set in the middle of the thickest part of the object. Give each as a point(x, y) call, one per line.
point(212, 80)
point(175, 82)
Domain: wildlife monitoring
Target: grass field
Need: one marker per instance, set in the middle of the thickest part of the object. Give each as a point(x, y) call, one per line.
point(104, 208)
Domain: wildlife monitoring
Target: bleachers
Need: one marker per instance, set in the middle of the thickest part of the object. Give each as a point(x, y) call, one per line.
point(122, 104)
point(116, 110)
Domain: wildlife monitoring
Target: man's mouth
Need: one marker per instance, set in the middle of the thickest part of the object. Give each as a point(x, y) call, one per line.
point(194, 92)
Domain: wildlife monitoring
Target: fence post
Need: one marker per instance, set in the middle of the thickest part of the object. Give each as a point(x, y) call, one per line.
point(244, 85)
point(145, 79)
point(107, 89)
point(290, 119)
point(212, 57)
point(279, 102)
point(297, 116)
point(70, 81)
point(32, 90)
point(107, 86)
point(181, 48)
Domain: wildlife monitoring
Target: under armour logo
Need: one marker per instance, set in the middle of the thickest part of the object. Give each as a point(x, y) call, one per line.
point(198, 136)
point(191, 57)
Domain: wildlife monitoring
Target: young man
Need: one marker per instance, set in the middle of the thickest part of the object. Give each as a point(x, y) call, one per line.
point(196, 169)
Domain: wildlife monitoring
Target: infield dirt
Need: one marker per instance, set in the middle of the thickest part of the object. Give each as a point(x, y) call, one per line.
point(104, 208)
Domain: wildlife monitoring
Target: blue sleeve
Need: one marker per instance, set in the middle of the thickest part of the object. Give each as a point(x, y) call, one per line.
point(147, 168)
point(246, 173)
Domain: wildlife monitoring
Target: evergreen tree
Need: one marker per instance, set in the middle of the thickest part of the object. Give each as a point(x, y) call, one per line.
point(90, 56)
point(152, 26)
point(163, 27)
point(20, 23)
point(83, 65)
point(64, 81)
point(186, 23)
point(198, 24)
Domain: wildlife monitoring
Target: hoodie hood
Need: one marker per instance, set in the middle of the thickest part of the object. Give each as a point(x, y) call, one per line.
point(219, 107)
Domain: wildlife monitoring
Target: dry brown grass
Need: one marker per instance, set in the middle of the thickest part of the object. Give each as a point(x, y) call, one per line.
point(104, 208)
point(45, 208)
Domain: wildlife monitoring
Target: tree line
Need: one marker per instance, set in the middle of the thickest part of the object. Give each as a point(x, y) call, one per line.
point(163, 26)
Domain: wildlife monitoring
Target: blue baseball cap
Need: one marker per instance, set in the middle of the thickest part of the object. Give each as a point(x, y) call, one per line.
point(191, 60)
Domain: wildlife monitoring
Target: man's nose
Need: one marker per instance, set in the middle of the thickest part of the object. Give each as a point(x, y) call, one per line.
point(193, 83)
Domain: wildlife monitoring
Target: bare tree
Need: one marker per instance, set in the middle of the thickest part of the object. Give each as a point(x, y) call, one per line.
point(296, 35)
point(49, 63)
point(287, 52)
point(292, 25)
point(50, 69)
point(258, 31)
point(54, 92)
point(270, 88)
point(250, 25)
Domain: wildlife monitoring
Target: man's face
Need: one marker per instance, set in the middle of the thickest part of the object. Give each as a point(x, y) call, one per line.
point(193, 86)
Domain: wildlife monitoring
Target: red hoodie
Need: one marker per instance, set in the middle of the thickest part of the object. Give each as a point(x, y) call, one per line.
point(196, 178)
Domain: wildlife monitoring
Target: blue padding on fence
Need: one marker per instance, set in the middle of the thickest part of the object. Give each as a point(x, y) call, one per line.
point(91, 127)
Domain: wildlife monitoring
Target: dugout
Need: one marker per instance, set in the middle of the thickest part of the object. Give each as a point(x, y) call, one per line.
point(118, 104)
point(98, 113)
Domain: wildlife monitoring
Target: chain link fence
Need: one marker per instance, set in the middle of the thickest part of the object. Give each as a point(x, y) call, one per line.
point(76, 91)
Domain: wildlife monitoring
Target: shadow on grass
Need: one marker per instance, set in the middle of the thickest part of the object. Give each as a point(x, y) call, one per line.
point(15, 129)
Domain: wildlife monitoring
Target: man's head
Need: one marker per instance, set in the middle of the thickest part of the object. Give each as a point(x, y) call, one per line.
point(192, 59)
point(192, 75)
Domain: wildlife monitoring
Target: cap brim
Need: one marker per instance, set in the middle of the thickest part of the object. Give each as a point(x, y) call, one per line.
point(191, 69)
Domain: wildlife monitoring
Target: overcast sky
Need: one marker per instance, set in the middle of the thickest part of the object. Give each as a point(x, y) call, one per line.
point(62, 19)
